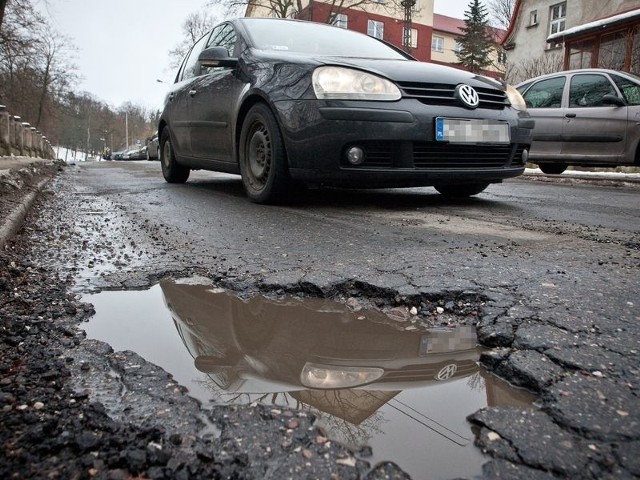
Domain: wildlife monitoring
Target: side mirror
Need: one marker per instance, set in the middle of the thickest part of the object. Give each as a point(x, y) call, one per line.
point(216, 57)
point(609, 99)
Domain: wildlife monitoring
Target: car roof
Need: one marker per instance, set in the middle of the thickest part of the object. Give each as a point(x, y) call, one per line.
point(578, 70)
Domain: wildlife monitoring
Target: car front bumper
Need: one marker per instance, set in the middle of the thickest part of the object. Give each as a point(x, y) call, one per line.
point(398, 139)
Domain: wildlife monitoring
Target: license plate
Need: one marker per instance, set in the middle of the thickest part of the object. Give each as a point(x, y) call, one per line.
point(464, 130)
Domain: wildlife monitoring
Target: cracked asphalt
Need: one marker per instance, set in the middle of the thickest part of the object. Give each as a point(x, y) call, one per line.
point(557, 263)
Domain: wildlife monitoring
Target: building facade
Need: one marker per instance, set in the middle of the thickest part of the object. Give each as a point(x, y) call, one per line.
point(444, 44)
point(545, 36)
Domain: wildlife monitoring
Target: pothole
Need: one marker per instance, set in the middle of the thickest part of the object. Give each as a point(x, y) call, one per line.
point(390, 378)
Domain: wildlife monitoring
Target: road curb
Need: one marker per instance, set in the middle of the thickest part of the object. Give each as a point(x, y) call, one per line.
point(15, 219)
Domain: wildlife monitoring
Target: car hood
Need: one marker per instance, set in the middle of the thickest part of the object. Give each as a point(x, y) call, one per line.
point(397, 70)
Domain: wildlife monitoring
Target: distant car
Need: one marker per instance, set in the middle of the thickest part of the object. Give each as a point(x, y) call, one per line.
point(287, 103)
point(586, 118)
point(153, 148)
point(118, 155)
point(136, 153)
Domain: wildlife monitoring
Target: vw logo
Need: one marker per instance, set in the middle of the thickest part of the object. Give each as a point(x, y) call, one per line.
point(447, 372)
point(468, 95)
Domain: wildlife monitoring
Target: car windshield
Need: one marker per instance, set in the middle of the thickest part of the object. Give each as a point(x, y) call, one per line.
point(315, 39)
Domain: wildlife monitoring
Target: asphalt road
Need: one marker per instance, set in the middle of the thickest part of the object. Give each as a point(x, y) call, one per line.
point(556, 263)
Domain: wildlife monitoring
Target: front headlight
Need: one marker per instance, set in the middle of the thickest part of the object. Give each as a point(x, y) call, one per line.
point(516, 99)
point(348, 84)
point(327, 376)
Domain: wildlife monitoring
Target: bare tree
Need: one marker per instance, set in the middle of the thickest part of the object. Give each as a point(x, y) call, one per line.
point(533, 67)
point(299, 9)
point(500, 12)
point(196, 25)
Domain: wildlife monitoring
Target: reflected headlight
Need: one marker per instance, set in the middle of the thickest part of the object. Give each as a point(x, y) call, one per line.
point(516, 99)
point(348, 84)
point(326, 376)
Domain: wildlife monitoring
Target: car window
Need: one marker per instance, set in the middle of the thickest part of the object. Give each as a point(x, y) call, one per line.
point(546, 93)
point(630, 90)
point(587, 90)
point(191, 67)
point(315, 38)
point(223, 36)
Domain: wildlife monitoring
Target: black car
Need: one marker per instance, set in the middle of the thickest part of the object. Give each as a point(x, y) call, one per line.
point(287, 103)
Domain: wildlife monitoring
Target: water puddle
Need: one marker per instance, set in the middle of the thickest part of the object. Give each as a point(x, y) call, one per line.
point(368, 378)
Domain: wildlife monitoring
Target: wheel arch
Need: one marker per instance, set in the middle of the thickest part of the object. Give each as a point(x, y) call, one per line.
point(247, 103)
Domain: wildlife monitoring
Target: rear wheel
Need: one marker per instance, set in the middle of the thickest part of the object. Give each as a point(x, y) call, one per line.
point(552, 168)
point(172, 172)
point(461, 190)
point(263, 160)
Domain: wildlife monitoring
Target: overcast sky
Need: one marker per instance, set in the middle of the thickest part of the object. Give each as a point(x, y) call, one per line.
point(123, 45)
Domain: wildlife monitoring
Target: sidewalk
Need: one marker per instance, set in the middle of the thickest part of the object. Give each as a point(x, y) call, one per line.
point(21, 180)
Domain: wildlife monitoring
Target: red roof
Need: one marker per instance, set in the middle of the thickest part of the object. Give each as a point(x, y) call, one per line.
point(443, 23)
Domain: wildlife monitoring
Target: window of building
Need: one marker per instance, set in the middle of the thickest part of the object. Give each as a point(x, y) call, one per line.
point(587, 90)
point(533, 18)
point(437, 43)
point(545, 93)
point(457, 47)
point(581, 54)
point(340, 20)
point(557, 18)
point(414, 37)
point(502, 57)
point(612, 51)
point(375, 29)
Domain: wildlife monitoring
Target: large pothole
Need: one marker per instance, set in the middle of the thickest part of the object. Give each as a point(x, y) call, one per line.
point(397, 375)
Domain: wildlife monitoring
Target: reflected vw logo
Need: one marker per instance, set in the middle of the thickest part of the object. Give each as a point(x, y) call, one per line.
point(468, 95)
point(447, 372)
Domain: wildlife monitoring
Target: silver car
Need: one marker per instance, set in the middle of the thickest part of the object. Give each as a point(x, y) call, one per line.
point(586, 118)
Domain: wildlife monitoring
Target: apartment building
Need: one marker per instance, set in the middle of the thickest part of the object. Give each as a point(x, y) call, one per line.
point(550, 35)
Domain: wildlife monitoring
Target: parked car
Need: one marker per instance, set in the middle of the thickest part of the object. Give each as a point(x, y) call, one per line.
point(135, 153)
point(339, 108)
point(153, 148)
point(118, 155)
point(586, 118)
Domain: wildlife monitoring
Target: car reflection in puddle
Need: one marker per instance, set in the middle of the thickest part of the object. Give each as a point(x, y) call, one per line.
point(368, 378)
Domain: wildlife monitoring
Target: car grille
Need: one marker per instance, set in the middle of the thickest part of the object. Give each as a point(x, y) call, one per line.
point(444, 94)
point(438, 155)
point(427, 371)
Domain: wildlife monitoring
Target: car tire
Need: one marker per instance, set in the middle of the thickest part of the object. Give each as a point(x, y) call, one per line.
point(171, 171)
point(461, 190)
point(262, 157)
point(552, 168)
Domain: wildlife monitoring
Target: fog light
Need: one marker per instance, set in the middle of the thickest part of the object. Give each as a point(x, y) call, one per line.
point(355, 155)
point(525, 156)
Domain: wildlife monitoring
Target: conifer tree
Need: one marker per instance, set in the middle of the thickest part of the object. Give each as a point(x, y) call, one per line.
point(475, 42)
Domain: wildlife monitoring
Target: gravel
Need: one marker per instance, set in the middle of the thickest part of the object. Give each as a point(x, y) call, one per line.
point(51, 429)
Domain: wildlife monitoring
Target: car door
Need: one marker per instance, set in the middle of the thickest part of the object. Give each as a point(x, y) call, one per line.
point(214, 97)
point(178, 101)
point(594, 132)
point(544, 102)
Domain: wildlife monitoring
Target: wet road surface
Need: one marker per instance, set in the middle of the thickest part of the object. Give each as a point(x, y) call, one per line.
point(554, 266)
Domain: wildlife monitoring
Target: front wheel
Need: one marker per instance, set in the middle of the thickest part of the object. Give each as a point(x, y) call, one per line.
point(552, 168)
point(172, 172)
point(263, 160)
point(461, 190)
